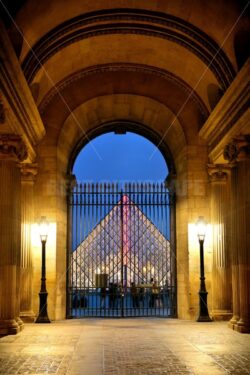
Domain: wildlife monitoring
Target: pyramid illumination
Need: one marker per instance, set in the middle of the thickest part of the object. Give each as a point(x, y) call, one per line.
point(126, 246)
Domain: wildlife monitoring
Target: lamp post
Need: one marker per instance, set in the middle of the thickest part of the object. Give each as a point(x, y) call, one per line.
point(201, 232)
point(43, 315)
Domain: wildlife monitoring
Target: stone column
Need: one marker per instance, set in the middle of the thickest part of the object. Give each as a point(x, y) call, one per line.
point(220, 219)
point(239, 151)
point(234, 251)
point(12, 151)
point(28, 173)
point(70, 184)
point(243, 205)
point(170, 183)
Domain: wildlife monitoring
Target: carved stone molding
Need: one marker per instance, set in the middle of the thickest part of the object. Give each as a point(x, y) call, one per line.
point(131, 21)
point(2, 113)
point(28, 172)
point(125, 67)
point(231, 152)
point(219, 172)
point(12, 147)
point(238, 149)
point(230, 117)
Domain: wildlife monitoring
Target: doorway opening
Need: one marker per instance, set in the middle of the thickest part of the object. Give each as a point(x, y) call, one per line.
point(121, 253)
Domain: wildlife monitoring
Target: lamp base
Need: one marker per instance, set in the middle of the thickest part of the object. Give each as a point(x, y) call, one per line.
point(43, 315)
point(203, 315)
point(42, 319)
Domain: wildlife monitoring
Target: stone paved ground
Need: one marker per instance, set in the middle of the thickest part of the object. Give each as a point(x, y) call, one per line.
point(126, 347)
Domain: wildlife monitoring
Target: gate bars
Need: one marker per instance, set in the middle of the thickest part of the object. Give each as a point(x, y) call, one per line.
point(121, 251)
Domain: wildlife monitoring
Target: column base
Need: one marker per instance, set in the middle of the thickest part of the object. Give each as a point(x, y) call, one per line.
point(221, 315)
point(233, 322)
point(20, 323)
point(9, 327)
point(27, 316)
point(242, 327)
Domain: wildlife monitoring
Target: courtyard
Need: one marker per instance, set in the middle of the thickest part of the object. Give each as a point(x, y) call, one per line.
point(142, 346)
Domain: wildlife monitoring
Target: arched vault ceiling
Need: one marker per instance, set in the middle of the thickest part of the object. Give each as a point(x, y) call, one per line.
point(123, 79)
point(126, 22)
point(134, 49)
point(214, 18)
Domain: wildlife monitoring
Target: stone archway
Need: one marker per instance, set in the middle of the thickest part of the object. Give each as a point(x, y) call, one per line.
point(154, 120)
point(134, 210)
point(110, 110)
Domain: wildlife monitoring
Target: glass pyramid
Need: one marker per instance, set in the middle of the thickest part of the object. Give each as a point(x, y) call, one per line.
point(126, 246)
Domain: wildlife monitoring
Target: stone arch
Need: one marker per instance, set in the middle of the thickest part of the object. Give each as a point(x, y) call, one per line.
point(122, 126)
point(155, 103)
point(120, 112)
point(138, 114)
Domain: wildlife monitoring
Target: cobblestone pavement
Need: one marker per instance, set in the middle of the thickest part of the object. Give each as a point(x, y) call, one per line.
point(126, 347)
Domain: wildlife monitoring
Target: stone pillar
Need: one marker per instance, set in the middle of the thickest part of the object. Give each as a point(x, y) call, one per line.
point(70, 184)
point(220, 219)
point(243, 205)
point(239, 151)
point(12, 151)
point(28, 173)
point(234, 251)
point(170, 183)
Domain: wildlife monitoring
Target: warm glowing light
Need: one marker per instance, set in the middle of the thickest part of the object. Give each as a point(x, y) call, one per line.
point(201, 226)
point(51, 245)
point(35, 235)
point(43, 228)
point(192, 238)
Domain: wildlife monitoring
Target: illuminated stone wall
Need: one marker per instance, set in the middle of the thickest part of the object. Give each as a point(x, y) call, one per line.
point(163, 76)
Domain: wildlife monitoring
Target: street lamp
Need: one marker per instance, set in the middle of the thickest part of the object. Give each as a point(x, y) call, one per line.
point(43, 231)
point(201, 232)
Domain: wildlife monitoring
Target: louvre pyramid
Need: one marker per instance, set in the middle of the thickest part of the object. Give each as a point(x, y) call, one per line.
point(124, 239)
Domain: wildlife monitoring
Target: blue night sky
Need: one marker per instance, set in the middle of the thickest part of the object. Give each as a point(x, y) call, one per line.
point(118, 158)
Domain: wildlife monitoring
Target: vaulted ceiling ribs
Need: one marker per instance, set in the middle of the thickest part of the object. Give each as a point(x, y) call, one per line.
point(131, 21)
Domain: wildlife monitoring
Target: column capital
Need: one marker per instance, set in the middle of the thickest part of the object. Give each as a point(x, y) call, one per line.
point(12, 147)
point(28, 171)
point(219, 172)
point(238, 149)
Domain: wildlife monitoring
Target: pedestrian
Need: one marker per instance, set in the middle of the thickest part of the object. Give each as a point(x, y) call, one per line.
point(103, 297)
point(141, 294)
point(154, 293)
point(115, 295)
point(134, 294)
point(111, 296)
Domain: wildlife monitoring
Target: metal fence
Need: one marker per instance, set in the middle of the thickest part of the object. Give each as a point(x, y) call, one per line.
point(121, 256)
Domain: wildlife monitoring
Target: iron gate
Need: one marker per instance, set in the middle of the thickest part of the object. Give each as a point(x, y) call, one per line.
point(121, 258)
